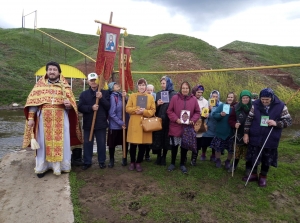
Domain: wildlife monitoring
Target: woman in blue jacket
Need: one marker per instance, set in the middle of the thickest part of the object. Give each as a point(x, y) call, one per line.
point(208, 136)
point(116, 123)
point(223, 131)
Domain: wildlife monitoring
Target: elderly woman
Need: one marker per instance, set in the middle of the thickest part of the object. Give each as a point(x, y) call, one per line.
point(208, 136)
point(116, 123)
point(182, 101)
point(222, 140)
point(161, 139)
point(137, 110)
point(237, 120)
point(264, 124)
point(203, 103)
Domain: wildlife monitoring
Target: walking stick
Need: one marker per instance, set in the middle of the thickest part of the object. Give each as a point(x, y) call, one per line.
point(123, 99)
point(234, 148)
point(258, 156)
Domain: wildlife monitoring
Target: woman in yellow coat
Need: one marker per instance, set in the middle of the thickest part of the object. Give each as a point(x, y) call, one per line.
point(139, 105)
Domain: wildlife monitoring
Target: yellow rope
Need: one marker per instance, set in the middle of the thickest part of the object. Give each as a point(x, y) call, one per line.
point(216, 70)
point(183, 71)
point(66, 45)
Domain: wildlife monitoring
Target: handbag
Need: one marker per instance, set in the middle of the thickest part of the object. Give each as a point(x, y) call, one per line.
point(200, 126)
point(152, 124)
point(188, 139)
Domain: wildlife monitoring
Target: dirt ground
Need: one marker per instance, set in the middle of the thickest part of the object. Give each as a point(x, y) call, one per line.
point(101, 194)
point(26, 198)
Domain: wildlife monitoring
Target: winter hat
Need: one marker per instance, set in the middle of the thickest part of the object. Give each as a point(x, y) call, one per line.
point(52, 63)
point(92, 76)
point(111, 86)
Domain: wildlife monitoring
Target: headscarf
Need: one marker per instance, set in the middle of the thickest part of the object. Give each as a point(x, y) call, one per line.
point(169, 83)
point(190, 89)
point(218, 93)
point(197, 88)
point(111, 86)
point(268, 93)
point(241, 106)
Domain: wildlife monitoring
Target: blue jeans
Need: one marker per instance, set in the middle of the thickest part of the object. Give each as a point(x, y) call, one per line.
point(100, 135)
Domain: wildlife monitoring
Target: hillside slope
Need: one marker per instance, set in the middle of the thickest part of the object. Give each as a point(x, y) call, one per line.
point(24, 52)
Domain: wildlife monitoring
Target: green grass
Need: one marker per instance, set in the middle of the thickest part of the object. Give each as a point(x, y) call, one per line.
point(76, 185)
point(210, 194)
point(24, 52)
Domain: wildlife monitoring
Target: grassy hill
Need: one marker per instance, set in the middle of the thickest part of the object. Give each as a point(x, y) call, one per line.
point(23, 52)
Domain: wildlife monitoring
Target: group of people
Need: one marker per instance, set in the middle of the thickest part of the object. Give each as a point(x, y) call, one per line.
point(247, 129)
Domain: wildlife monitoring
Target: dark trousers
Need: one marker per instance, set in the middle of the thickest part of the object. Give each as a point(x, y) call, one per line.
point(174, 152)
point(264, 169)
point(141, 152)
point(112, 151)
point(100, 135)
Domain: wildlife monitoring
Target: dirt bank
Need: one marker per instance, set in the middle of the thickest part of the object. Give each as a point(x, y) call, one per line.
point(26, 198)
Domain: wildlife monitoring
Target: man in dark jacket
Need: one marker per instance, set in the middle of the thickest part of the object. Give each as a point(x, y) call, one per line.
point(87, 106)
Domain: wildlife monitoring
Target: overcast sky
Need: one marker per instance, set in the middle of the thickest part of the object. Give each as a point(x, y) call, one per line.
point(218, 22)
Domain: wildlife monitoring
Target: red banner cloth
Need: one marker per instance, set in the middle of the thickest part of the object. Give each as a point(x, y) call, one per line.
point(127, 69)
point(107, 48)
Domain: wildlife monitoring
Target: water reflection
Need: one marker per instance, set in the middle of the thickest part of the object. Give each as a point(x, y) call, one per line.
point(11, 130)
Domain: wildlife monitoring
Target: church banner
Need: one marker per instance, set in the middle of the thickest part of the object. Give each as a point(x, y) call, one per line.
point(127, 69)
point(107, 48)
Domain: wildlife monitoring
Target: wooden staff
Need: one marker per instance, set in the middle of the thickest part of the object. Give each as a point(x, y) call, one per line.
point(234, 149)
point(123, 99)
point(100, 85)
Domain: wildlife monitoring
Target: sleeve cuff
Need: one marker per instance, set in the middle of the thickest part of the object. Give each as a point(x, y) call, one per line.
point(31, 115)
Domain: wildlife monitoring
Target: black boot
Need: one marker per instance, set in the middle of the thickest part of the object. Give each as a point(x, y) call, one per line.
point(158, 160)
point(124, 161)
point(111, 163)
point(163, 161)
point(76, 158)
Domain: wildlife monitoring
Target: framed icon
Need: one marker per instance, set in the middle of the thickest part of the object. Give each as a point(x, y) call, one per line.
point(110, 42)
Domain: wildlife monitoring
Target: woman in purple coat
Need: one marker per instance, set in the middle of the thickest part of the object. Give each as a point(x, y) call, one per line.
point(183, 100)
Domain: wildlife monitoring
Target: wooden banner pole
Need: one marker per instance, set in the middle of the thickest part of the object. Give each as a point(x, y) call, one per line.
point(123, 98)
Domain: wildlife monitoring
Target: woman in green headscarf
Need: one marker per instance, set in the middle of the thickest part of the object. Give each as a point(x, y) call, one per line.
point(237, 120)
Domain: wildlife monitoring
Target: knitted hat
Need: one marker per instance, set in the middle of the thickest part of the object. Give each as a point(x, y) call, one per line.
point(52, 63)
point(111, 86)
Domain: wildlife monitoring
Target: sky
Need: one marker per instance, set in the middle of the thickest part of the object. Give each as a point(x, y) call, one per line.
point(217, 22)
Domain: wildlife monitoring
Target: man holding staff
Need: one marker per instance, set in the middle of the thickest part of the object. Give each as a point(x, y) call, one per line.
point(87, 106)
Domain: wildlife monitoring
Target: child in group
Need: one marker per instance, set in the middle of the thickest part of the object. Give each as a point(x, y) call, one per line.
point(223, 131)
